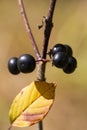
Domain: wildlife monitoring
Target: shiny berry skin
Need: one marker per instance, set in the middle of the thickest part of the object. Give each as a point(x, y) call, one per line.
point(69, 51)
point(12, 66)
point(60, 59)
point(58, 48)
point(71, 66)
point(26, 63)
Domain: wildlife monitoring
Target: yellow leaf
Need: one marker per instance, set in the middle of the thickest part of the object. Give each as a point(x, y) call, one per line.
point(32, 104)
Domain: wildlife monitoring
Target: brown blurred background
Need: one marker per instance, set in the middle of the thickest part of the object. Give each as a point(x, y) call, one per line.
point(70, 27)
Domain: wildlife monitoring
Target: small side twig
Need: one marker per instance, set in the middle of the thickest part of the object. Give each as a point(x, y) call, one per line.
point(10, 128)
point(48, 27)
point(28, 29)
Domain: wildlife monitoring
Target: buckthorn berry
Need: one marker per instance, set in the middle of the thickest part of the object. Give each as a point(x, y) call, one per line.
point(12, 66)
point(60, 59)
point(69, 51)
point(61, 48)
point(58, 48)
point(70, 66)
point(26, 63)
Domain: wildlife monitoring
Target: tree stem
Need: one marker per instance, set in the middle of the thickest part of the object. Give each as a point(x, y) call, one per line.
point(40, 125)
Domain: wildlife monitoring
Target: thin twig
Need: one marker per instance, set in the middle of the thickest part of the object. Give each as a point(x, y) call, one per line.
point(10, 128)
point(27, 25)
point(48, 27)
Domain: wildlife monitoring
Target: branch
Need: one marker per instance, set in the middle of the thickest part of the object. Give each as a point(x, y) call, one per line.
point(47, 32)
point(48, 27)
point(28, 29)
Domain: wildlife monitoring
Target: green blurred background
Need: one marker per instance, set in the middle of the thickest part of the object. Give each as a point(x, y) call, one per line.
point(70, 27)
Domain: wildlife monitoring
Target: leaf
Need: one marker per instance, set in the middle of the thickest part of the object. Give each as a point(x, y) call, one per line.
point(32, 104)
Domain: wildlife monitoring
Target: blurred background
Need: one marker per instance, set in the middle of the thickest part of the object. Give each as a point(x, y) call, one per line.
point(69, 111)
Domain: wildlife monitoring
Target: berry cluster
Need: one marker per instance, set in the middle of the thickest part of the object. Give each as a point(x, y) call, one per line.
point(62, 58)
point(61, 55)
point(25, 64)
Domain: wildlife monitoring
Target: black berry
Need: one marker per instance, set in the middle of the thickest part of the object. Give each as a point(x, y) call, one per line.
point(26, 63)
point(12, 66)
point(60, 59)
point(71, 65)
point(61, 48)
point(69, 51)
point(58, 48)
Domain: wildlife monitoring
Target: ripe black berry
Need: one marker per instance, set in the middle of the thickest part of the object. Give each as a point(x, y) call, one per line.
point(71, 65)
point(61, 48)
point(58, 48)
point(12, 66)
point(26, 63)
point(69, 51)
point(60, 59)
